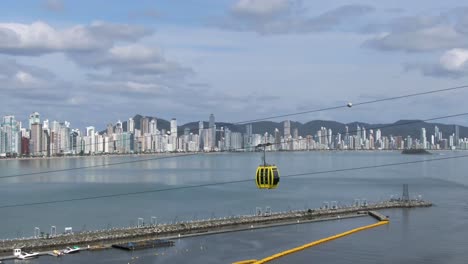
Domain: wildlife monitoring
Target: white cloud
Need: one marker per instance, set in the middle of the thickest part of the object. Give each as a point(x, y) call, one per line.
point(26, 78)
point(40, 38)
point(454, 59)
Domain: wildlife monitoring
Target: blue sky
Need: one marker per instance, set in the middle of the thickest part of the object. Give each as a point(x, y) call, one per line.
point(94, 62)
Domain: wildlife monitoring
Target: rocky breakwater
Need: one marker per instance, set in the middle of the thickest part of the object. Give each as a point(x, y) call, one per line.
point(226, 224)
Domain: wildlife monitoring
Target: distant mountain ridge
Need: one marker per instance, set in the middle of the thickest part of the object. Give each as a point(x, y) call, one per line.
point(398, 128)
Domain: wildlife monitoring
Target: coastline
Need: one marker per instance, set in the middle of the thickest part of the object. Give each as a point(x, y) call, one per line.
point(215, 153)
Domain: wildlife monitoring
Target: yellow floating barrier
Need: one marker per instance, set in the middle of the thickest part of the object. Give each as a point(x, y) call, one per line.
point(312, 244)
point(249, 261)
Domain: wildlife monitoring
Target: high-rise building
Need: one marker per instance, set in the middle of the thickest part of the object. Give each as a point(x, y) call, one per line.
point(287, 129)
point(144, 125)
point(45, 124)
point(34, 118)
point(90, 145)
point(153, 126)
point(436, 134)
point(212, 121)
point(11, 135)
point(423, 138)
point(173, 136)
point(131, 125)
point(110, 129)
point(212, 129)
point(277, 139)
point(378, 135)
point(118, 127)
point(174, 126)
point(457, 136)
point(296, 133)
point(200, 135)
point(36, 146)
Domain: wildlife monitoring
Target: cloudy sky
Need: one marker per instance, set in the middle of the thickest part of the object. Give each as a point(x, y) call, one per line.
point(94, 62)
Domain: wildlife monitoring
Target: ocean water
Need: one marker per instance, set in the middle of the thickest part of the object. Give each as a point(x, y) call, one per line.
point(424, 235)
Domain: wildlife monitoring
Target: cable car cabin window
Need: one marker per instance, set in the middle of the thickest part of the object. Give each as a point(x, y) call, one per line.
point(268, 173)
point(261, 177)
point(270, 176)
point(275, 177)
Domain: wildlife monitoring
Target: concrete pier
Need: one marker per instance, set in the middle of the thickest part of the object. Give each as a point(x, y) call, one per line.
point(104, 238)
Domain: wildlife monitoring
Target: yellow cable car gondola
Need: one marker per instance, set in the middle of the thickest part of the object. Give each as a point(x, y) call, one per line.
point(267, 176)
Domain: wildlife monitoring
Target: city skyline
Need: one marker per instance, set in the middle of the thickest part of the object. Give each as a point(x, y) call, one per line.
point(52, 138)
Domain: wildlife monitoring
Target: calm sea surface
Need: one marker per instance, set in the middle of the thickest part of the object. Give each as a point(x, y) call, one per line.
point(425, 235)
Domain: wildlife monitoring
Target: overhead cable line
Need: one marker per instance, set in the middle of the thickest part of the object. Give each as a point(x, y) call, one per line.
point(229, 182)
point(355, 104)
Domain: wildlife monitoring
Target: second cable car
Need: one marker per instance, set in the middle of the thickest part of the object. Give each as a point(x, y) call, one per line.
point(267, 176)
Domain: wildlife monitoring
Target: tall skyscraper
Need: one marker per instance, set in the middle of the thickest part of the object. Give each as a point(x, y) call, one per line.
point(295, 133)
point(457, 136)
point(144, 125)
point(118, 127)
point(277, 139)
point(378, 134)
point(287, 129)
point(12, 135)
point(212, 121)
point(110, 129)
point(36, 146)
point(201, 144)
point(423, 138)
point(212, 129)
point(436, 134)
point(248, 137)
point(174, 126)
point(173, 136)
point(153, 126)
point(34, 118)
point(131, 125)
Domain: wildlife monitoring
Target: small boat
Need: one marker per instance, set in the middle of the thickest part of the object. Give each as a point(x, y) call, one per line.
point(23, 255)
point(70, 250)
point(26, 255)
point(57, 253)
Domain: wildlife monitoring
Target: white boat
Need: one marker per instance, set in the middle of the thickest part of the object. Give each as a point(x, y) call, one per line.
point(70, 250)
point(23, 255)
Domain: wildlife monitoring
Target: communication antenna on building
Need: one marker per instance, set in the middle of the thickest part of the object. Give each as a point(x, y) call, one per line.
point(405, 196)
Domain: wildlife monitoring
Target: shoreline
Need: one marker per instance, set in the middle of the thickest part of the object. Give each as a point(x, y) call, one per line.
point(215, 153)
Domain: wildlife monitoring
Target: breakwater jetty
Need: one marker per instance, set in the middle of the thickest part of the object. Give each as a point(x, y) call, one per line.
point(105, 238)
